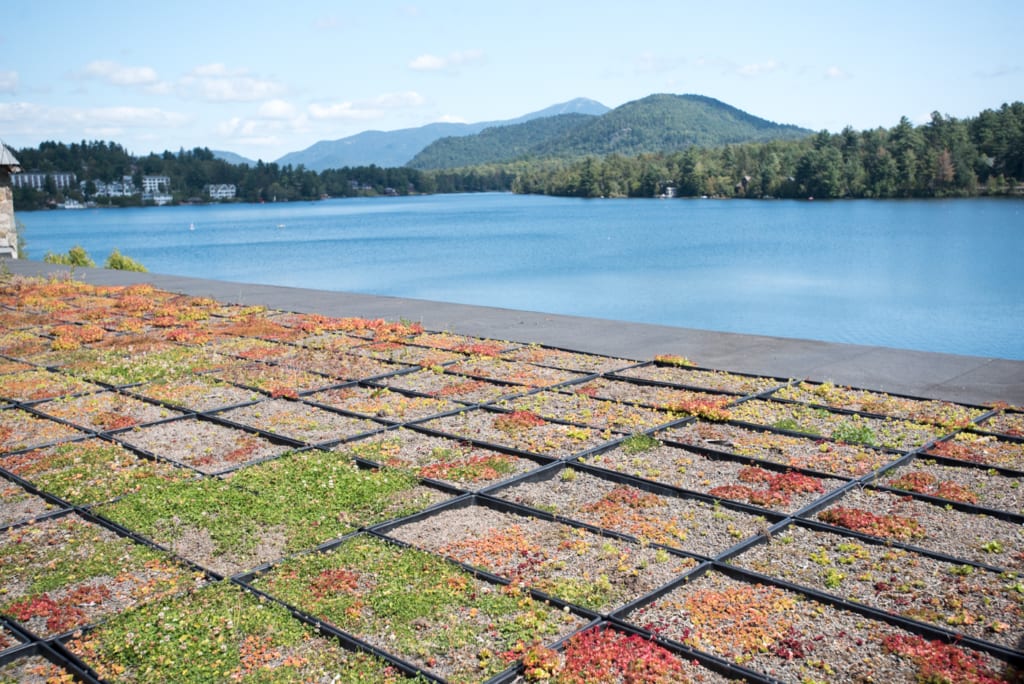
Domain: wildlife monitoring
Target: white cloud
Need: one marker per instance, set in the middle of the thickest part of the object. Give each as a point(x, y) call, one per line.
point(758, 69)
point(370, 109)
point(452, 61)
point(8, 81)
point(18, 112)
point(121, 75)
point(834, 72)
point(276, 109)
point(237, 126)
point(272, 118)
point(427, 63)
point(341, 110)
point(451, 118)
point(131, 117)
point(31, 119)
point(217, 83)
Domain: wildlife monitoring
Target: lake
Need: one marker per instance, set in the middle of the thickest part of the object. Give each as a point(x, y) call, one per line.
point(932, 275)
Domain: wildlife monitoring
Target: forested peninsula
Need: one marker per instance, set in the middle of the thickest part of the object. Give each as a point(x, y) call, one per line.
point(945, 157)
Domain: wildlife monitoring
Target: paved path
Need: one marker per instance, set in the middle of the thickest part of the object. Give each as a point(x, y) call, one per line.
point(968, 379)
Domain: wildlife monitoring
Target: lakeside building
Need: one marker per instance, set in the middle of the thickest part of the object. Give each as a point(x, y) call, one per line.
point(156, 184)
point(122, 188)
point(157, 198)
point(36, 180)
point(221, 191)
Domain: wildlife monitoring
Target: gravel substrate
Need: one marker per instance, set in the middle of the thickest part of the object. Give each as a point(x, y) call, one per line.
point(963, 599)
point(33, 669)
point(437, 383)
point(846, 460)
point(20, 429)
point(721, 381)
point(454, 462)
point(516, 372)
point(298, 421)
point(654, 396)
point(16, 504)
point(206, 446)
point(343, 367)
point(572, 564)
point(983, 449)
point(690, 525)
point(782, 491)
point(199, 393)
point(958, 534)
point(522, 431)
point(1010, 423)
point(973, 485)
point(944, 413)
point(381, 402)
point(567, 360)
point(105, 411)
point(581, 409)
point(843, 427)
point(407, 355)
point(786, 635)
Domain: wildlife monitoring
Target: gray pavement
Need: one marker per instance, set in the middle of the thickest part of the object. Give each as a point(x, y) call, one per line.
point(968, 379)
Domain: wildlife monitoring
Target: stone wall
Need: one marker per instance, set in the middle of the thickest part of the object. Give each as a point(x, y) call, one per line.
point(8, 228)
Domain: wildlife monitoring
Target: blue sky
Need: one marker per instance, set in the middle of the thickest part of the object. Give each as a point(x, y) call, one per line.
point(266, 78)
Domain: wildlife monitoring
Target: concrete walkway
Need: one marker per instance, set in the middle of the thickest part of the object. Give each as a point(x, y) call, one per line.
point(967, 379)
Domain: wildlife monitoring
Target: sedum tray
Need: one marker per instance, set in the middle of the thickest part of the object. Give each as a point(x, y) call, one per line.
point(389, 503)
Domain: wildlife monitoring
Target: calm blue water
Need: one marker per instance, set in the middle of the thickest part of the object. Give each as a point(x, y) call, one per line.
point(939, 275)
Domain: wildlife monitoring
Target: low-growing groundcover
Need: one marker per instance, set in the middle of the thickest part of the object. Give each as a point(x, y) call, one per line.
point(222, 633)
point(798, 639)
point(248, 490)
point(454, 462)
point(569, 563)
point(418, 606)
point(65, 572)
point(608, 655)
point(959, 597)
point(89, 471)
point(267, 511)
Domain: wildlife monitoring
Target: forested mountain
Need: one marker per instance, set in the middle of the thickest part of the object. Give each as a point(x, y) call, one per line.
point(497, 144)
point(657, 123)
point(396, 148)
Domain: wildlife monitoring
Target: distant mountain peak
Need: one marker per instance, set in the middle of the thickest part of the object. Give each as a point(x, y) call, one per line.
point(397, 148)
point(232, 158)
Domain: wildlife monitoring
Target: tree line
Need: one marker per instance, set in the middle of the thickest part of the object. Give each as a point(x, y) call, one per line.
point(190, 171)
point(946, 157)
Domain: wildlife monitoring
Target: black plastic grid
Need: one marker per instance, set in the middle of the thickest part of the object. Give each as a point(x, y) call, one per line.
point(52, 653)
point(777, 526)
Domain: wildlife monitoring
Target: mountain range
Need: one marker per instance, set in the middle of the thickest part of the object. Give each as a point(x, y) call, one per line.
point(396, 148)
point(657, 123)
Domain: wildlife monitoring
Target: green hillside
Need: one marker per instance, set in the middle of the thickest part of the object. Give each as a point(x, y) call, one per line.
point(654, 124)
point(498, 144)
